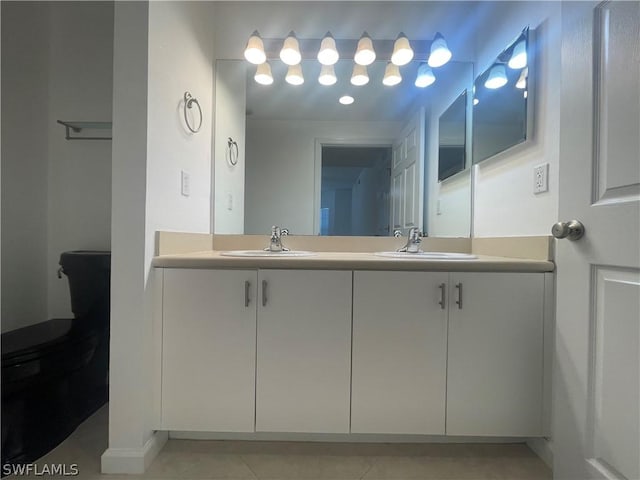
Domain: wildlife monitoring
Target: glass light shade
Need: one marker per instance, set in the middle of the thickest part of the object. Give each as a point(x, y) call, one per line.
point(476, 101)
point(359, 76)
point(327, 75)
point(263, 74)
point(294, 75)
point(254, 51)
point(524, 94)
point(519, 55)
point(425, 76)
point(328, 53)
point(346, 100)
point(402, 51)
point(290, 53)
point(522, 79)
point(391, 75)
point(365, 54)
point(497, 77)
point(440, 53)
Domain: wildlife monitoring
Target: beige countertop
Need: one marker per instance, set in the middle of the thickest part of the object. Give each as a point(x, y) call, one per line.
point(351, 261)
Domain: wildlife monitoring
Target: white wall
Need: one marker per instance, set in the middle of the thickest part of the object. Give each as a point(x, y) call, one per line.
point(230, 114)
point(503, 192)
point(79, 174)
point(24, 163)
point(281, 171)
point(161, 50)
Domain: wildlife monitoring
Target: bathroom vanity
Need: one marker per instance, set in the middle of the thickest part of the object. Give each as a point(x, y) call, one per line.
point(353, 343)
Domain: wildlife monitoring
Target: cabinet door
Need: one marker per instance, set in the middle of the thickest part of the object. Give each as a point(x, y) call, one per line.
point(208, 356)
point(399, 353)
point(495, 367)
point(304, 351)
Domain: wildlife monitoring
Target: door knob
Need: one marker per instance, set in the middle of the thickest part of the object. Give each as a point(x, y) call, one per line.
point(573, 230)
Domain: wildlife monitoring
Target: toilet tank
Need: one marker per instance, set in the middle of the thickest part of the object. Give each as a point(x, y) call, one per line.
point(89, 275)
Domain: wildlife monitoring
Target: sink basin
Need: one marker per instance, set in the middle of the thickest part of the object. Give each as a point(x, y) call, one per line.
point(266, 253)
point(428, 255)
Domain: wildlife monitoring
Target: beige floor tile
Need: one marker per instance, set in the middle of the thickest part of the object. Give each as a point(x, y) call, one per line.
point(449, 468)
point(188, 465)
point(307, 466)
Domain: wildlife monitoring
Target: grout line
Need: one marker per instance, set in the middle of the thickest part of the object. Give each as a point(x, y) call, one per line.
point(255, 475)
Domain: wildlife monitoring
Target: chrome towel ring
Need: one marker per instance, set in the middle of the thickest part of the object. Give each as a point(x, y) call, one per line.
point(189, 100)
point(232, 151)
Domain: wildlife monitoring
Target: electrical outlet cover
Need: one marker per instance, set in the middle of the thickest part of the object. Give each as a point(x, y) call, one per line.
point(185, 183)
point(541, 178)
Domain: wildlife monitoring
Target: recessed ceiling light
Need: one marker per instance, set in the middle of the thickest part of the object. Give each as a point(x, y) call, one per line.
point(346, 100)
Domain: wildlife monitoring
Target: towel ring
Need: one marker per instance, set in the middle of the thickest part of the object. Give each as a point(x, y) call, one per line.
point(188, 104)
point(232, 151)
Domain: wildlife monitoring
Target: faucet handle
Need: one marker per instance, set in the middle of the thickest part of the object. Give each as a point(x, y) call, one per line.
point(397, 233)
point(284, 232)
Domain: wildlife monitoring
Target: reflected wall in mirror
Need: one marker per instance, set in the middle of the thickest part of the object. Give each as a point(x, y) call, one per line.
point(502, 101)
point(452, 136)
point(286, 128)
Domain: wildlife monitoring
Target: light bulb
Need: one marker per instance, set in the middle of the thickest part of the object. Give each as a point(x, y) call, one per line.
point(425, 76)
point(497, 77)
point(402, 52)
point(359, 76)
point(263, 74)
point(522, 79)
point(519, 55)
point(254, 51)
point(294, 75)
point(327, 75)
point(391, 75)
point(440, 53)
point(346, 100)
point(328, 54)
point(290, 53)
point(476, 101)
point(365, 54)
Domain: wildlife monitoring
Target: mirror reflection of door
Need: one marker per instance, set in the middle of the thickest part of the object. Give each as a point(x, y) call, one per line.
point(355, 186)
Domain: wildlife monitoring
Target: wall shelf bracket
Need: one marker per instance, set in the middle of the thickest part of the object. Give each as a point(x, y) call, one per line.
point(73, 130)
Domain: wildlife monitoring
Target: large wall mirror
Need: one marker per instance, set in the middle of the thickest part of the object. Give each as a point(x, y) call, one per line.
point(452, 138)
point(319, 167)
point(502, 109)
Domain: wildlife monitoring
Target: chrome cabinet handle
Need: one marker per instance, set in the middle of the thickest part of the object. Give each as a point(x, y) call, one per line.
point(247, 286)
point(443, 295)
point(264, 293)
point(573, 230)
point(459, 300)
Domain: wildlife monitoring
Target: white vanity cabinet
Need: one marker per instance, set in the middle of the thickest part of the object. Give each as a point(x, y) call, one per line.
point(303, 372)
point(495, 354)
point(208, 350)
point(399, 352)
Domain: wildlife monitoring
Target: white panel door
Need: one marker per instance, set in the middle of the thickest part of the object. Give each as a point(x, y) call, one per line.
point(208, 350)
point(596, 405)
point(399, 352)
point(495, 356)
point(304, 351)
point(397, 189)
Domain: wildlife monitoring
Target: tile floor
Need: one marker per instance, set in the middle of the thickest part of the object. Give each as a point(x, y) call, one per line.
point(193, 459)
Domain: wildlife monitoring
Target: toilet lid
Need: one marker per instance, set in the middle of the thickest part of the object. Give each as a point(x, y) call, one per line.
point(40, 337)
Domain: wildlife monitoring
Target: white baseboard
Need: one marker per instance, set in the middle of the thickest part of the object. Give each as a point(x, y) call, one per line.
point(133, 460)
point(543, 447)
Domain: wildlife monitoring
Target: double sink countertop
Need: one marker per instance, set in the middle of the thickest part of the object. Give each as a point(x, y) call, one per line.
point(173, 252)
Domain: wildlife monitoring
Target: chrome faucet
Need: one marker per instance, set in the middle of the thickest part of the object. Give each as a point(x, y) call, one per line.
point(414, 239)
point(275, 242)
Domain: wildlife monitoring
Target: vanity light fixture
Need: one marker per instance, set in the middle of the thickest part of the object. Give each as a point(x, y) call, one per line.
point(519, 55)
point(475, 101)
point(440, 53)
point(359, 76)
point(402, 52)
point(365, 54)
point(327, 75)
point(391, 75)
point(522, 79)
point(254, 51)
point(290, 53)
point(497, 77)
point(346, 100)
point(328, 53)
point(425, 76)
point(294, 75)
point(263, 74)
